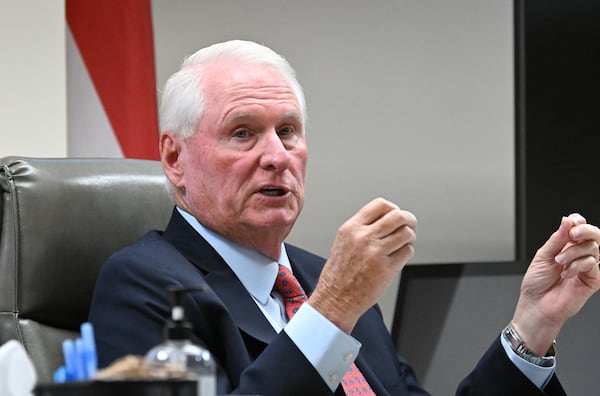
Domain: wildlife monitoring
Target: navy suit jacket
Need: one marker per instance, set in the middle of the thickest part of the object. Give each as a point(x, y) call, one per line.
point(131, 304)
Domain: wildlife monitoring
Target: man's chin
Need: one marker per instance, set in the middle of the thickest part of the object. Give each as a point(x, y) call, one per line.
point(274, 219)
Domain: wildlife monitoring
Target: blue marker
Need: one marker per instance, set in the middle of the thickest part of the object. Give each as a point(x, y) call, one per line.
point(70, 360)
point(60, 375)
point(81, 361)
point(80, 370)
point(88, 350)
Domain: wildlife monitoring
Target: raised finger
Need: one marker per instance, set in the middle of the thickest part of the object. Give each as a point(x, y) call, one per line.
point(398, 239)
point(585, 231)
point(578, 251)
point(577, 218)
point(373, 211)
point(402, 256)
point(586, 264)
point(392, 221)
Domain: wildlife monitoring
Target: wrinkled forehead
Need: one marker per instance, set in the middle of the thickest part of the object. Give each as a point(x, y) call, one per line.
point(226, 82)
point(223, 73)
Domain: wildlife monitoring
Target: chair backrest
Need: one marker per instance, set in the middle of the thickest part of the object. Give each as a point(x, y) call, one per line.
point(61, 219)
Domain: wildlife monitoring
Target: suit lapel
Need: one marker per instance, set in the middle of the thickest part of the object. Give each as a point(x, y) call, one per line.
point(220, 278)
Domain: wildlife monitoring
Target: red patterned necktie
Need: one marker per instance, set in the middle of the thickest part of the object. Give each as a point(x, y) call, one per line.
point(288, 286)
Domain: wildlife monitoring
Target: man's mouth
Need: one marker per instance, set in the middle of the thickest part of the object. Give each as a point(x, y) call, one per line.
point(273, 191)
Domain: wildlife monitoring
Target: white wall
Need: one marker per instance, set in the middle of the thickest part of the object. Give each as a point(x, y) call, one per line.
point(411, 100)
point(32, 78)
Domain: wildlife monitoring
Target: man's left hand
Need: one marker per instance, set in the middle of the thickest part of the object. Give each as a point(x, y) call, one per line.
point(562, 276)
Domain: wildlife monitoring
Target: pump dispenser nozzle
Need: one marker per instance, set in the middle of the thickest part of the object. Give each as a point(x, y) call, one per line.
point(178, 350)
point(179, 328)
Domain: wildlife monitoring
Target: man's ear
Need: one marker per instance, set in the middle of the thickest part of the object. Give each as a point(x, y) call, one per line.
point(169, 147)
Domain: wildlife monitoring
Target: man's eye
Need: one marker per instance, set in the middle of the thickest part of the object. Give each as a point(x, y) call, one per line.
point(240, 134)
point(286, 131)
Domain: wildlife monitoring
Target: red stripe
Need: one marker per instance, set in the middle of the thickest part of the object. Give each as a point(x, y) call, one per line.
point(115, 40)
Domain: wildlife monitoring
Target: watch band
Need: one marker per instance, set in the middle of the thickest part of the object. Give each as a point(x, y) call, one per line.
point(520, 348)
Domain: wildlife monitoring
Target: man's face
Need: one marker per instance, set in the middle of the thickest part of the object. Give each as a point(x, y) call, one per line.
point(245, 167)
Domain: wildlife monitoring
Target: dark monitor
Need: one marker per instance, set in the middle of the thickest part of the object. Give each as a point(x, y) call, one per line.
point(447, 315)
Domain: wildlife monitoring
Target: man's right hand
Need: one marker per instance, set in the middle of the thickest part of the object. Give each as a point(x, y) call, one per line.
point(369, 250)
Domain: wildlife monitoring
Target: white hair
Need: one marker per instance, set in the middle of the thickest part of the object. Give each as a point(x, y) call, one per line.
point(182, 102)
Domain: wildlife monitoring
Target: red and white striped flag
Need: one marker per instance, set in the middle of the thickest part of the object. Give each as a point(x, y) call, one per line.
point(111, 82)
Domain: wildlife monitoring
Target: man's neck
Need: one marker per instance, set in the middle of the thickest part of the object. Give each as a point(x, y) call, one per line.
point(267, 245)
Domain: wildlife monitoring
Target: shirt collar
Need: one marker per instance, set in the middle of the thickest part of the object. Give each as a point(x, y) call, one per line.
point(256, 271)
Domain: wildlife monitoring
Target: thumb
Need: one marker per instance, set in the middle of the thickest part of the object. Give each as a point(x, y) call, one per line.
point(558, 240)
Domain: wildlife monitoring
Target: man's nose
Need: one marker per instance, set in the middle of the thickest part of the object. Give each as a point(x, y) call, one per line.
point(274, 153)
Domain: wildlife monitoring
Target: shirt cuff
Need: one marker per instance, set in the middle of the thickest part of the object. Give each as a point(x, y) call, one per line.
point(331, 353)
point(537, 374)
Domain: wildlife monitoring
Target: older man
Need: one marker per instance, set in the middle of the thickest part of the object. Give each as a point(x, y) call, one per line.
point(233, 148)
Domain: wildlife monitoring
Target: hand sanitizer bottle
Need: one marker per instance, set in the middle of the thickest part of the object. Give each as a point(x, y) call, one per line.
point(178, 352)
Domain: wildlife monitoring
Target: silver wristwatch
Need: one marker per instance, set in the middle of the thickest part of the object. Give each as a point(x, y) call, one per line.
point(520, 348)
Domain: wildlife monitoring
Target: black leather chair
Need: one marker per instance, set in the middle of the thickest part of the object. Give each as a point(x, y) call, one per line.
point(61, 219)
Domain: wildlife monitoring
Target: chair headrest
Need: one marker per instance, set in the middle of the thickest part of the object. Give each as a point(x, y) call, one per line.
point(61, 219)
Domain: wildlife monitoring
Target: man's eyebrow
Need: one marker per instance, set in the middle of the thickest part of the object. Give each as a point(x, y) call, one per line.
point(236, 116)
point(240, 116)
point(292, 114)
